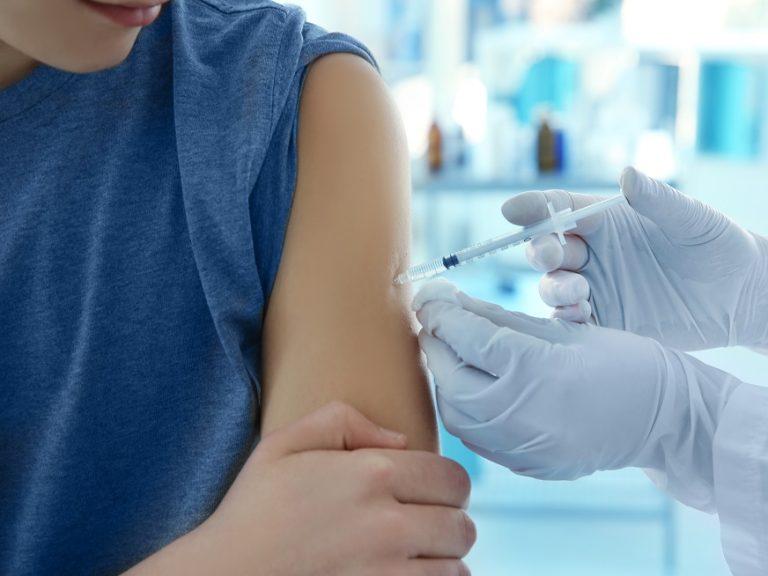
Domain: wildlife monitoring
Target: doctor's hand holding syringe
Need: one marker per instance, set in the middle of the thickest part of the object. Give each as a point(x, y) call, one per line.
point(606, 383)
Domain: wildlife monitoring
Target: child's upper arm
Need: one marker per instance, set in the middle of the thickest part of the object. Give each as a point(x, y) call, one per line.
point(336, 327)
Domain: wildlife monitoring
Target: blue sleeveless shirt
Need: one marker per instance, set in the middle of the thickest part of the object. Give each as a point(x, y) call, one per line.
point(142, 216)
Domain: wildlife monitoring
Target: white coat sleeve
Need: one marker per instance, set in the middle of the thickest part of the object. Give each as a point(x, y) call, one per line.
point(722, 467)
point(741, 480)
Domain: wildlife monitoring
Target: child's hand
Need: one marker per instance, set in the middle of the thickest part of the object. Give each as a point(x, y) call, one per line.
point(335, 494)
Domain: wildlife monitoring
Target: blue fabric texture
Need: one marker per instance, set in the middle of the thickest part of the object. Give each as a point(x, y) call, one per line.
point(142, 216)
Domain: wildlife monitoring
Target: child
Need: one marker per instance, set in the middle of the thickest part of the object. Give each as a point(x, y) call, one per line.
point(160, 312)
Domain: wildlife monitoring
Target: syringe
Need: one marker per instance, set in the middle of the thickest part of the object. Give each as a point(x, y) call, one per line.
point(558, 223)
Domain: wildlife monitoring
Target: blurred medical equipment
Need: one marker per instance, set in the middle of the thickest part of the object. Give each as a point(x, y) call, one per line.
point(558, 222)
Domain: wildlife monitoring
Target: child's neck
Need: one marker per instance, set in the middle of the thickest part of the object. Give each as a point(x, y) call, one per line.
point(13, 65)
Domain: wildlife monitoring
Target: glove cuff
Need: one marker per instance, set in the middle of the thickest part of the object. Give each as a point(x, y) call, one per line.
point(682, 438)
point(741, 474)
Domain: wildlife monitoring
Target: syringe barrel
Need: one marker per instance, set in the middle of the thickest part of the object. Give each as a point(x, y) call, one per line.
point(557, 223)
point(421, 272)
point(502, 242)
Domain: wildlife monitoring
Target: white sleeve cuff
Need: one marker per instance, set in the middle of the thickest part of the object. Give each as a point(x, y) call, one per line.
point(741, 480)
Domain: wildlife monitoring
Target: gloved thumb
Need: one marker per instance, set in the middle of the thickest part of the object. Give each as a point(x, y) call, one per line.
point(335, 426)
point(679, 216)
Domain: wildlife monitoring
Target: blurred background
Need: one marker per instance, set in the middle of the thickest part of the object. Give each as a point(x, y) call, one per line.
point(502, 96)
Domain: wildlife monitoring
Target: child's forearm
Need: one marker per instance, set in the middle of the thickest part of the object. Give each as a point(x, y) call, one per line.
point(191, 555)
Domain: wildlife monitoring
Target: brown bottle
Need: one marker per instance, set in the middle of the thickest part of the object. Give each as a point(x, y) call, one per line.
point(435, 148)
point(546, 154)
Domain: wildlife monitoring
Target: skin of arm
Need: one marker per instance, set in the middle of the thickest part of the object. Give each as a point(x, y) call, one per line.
point(336, 327)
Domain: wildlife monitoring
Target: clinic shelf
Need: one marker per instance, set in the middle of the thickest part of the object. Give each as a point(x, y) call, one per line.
point(450, 184)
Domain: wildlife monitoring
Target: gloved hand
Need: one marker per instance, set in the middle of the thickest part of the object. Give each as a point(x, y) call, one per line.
point(667, 266)
point(559, 400)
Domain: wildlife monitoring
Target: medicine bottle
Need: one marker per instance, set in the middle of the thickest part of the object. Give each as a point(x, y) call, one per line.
point(435, 148)
point(546, 148)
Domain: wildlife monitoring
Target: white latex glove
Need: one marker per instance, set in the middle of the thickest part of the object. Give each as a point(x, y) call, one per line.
point(559, 400)
point(668, 267)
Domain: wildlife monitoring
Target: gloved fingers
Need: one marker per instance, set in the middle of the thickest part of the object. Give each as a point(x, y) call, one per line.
point(563, 288)
point(576, 253)
point(517, 463)
point(434, 290)
point(464, 388)
point(494, 443)
point(476, 340)
point(680, 217)
point(466, 427)
point(580, 312)
point(541, 328)
point(442, 290)
point(531, 207)
point(546, 253)
point(453, 378)
point(524, 463)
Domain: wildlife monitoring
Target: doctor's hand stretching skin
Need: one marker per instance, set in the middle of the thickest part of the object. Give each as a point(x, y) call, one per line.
point(604, 385)
point(332, 494)
point(559, 400)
